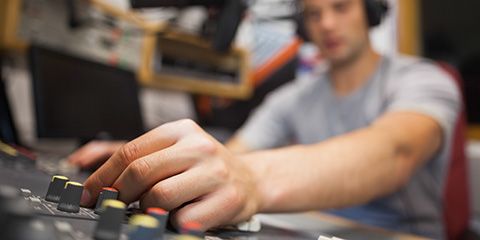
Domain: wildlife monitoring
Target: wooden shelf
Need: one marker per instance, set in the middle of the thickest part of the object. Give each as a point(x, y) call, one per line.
point(129, 16)
point(184, 46)
point(187, 46)
point(473, 132)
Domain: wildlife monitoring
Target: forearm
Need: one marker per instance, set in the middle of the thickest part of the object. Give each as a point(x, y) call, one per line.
point(237, 145)
point(347, 170)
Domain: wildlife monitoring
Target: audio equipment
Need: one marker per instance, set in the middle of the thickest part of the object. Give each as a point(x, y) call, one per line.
point(375, 10)
point(225, 22)
point(37, 206)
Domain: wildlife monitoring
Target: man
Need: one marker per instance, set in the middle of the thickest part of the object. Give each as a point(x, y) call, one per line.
point(367, 139)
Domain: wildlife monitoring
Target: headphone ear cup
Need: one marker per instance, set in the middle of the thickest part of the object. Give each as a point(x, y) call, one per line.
point(375, 10)
point(372, 18)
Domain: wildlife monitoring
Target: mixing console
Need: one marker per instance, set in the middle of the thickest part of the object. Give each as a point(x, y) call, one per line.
point(37, 206)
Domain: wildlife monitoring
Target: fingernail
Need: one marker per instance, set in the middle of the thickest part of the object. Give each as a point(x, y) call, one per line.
point(85, 200)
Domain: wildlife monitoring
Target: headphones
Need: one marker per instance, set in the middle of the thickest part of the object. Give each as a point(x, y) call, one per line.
point(375, 11)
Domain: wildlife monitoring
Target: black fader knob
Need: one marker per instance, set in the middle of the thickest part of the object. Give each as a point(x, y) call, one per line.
point(70, 198)
point(110, 222)
point(142, 227)
point(106, 193)
point(55, 189)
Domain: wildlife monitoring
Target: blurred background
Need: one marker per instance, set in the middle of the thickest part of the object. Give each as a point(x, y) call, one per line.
point(77, 70)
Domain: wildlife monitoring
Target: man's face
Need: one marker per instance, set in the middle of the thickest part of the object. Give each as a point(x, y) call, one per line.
point(338, 27)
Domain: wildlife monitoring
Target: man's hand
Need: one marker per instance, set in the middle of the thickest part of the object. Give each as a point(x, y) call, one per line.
point(94, 153)
point(178, 166)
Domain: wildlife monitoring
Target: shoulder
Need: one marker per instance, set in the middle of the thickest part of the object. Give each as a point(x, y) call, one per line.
point(403, 64)
point(421, 85)
point(415, 71)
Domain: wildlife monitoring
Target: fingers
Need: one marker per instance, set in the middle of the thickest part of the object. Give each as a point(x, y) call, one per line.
point(179, 167)
point(93, 153)
point(220, 208)
point(155, 140)
point(90, 150)
point(144, 172)
point(177, 190)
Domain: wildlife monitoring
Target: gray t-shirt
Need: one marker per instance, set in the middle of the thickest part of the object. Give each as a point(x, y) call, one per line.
point(307, 111)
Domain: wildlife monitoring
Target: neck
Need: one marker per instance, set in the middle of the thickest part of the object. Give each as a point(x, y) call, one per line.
point(351, 75)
